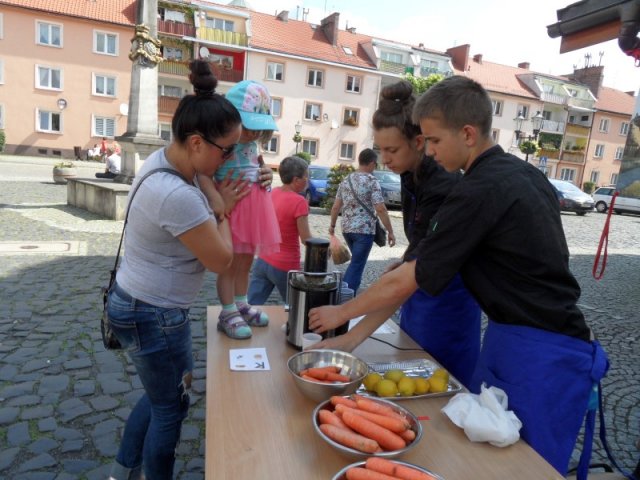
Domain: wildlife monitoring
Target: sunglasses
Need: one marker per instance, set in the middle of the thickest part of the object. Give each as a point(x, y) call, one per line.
point(226, 151)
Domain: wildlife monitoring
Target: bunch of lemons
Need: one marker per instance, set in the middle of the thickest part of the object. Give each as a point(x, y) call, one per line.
point(395, 382)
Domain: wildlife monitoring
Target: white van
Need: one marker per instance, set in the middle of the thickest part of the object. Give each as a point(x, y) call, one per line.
point(602, 197)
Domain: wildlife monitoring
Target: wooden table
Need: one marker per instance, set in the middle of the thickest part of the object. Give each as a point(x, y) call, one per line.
point(258, 424)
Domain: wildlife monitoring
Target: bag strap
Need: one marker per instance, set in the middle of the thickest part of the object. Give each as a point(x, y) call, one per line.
point(358, 199)
point(126, 217)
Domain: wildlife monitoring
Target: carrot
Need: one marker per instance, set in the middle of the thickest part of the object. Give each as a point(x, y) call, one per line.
point(376, 407)
point(385, 438)
point(335, 400)
point(358, 473)
point(350, 439)
point(330, 368)
point(325, 416)
point(314, 379)
point(321, 374)
point(303, 372)
point(396, 470)
point(408, 435)
point(390, 423)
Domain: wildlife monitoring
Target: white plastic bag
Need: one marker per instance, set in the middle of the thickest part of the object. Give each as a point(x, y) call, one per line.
point(484, 417)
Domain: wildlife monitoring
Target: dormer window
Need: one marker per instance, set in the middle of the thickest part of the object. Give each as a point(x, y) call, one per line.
point(347, 50)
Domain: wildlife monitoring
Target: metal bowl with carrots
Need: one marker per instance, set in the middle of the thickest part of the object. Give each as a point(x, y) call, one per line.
point(389, 467)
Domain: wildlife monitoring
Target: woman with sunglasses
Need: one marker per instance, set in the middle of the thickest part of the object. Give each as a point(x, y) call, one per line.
point(174, 233)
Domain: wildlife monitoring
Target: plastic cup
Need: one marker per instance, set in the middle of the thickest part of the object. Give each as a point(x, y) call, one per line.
point(309, 339)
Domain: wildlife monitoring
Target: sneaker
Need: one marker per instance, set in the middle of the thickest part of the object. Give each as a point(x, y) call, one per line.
point(233, 325)
point(252, 315)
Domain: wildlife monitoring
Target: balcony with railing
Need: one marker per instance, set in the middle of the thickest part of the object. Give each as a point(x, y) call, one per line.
point(222, 73)
point(552, 126)
point(573, 157)
point(393, 67)
point(554, 98)
point(549, 153)
point(426, 71)
point(222, 36)
point(577, 130)
point(171, 27)
point(580, 102)
point(167, 104)
point(174, 67)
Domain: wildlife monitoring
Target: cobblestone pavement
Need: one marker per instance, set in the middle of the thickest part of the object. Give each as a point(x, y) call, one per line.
point(64, 399)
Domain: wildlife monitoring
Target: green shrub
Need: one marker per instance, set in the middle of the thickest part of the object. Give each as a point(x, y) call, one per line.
point(529, 147)
point(336, 175)
point(304, 155)
point(3, 138)
point(588, 187)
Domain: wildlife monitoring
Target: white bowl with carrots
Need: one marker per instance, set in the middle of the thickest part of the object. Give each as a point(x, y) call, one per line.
point(320, 374)
point(388, 469)
point(361, 427)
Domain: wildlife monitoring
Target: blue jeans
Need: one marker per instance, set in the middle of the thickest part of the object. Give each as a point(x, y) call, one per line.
point(360, 245)
point(263, 278)
point(158, 341)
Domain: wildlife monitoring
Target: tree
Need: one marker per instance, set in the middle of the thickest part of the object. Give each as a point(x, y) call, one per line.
point(304, 155)
point(422, 84)
point(336, 175)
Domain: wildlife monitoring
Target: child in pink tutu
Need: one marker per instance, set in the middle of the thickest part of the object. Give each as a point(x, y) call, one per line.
point(253, 221)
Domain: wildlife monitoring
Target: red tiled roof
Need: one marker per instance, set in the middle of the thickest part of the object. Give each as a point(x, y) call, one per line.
point(121, 12)
point(497, 78)
point(299, 38)
point(615, 101)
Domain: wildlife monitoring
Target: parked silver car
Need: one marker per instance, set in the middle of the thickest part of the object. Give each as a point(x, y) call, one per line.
point(603, 195)
point(571, 198)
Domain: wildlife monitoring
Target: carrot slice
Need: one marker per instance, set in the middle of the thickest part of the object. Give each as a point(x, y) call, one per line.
point(359, 473)
point(390, 423)
point(350, 439)
point(335, 400)
point(385, 438)
point(387, 467)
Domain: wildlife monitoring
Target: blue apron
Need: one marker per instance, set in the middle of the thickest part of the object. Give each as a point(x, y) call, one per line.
point(548, 378)
point(447, 326)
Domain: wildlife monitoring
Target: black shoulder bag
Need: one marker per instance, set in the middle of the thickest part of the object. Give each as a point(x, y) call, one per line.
point(109, 339)
point(380, 237)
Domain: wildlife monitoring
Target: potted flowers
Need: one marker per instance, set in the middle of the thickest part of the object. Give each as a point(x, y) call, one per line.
point(63, 170)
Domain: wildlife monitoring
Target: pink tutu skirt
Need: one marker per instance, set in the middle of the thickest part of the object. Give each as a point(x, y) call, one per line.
point(254, 224)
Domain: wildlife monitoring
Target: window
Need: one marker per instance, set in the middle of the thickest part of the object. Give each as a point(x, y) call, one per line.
point(276, 107)
point(50, 78)
point(604, 125)
point(314, 77)
point(354, 83)
point(391, 57)
point(595, 176)
point(568, 174)
point(351, 117)
point(571, 92)
point(48, 34)
point(614, 179)
point(275, 71)
point(347, 151)
point(546, 114)
point(272, 145)
point(497, 107)
point(310, 146)
point(103, 85)
point(495, 135)
point(49, 122)
point(1, 71)
point(104, 127)
point(171, 15)
point(172, 53)
point(226, 61)
point(347, 50)
point(1, 116)
point(599, 153)
point(584, 118)
point(624, 128)
point(1, 26)
point(105, 43)
point(523, 110)
point(164, 131)
point(312, 111)
point(169, 91)
point(219, 24)
point(619, 153)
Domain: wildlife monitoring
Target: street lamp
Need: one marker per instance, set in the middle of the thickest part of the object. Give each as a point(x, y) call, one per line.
point(536, 123)
point(297, 138)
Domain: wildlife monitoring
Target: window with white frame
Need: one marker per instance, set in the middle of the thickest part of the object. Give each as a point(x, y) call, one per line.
point(164, 131)
point(49, 122)
point(220, 24)
point(104, 126)
point(276, 106)
point(354, 83)
point(275, 71)
point(572, 92)
point(310, 146)
point(523, 110)
point(347, 151)
point(351, 117)
point(171, 15)
point(497, 107)
point(391, 57)
point(272, 145)
point(104, 85)
point(624, 128)
point(567, 174)
point(599, 153)
point(105, 43)
point(315, 77)
point(225, 61)
point(312, 111)
point(172, 53)
point(347, 50)
point(619, 153)
point(614, 179)
point(169, 91)
point(1, 115)
point(604, 125)
point(546, 114)
point(595, 176)
point(49, 78)
point(49, 34)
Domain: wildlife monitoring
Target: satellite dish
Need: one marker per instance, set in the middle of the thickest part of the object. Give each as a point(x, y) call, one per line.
point(204, 52)
point(124, 109)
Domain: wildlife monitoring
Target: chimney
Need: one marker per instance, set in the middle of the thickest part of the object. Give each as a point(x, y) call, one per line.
point(283, 15)
point(590, 76)
point(329, 26)
point(477, 58)
point(524, 65)
point(631, 93)
point(459, 56)
point(421, 45)
point(351, 29)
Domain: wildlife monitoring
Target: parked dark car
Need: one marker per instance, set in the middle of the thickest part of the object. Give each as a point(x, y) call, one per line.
point(390, 185)
point(571, 198)
point(317, 188)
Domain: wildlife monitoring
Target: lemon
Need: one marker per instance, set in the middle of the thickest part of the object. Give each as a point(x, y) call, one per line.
point(371, 380)
point(386, 388)
point(422, 386)
point(438, 384)
point(407, 386)
point(394, 375)
point(441, 372)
